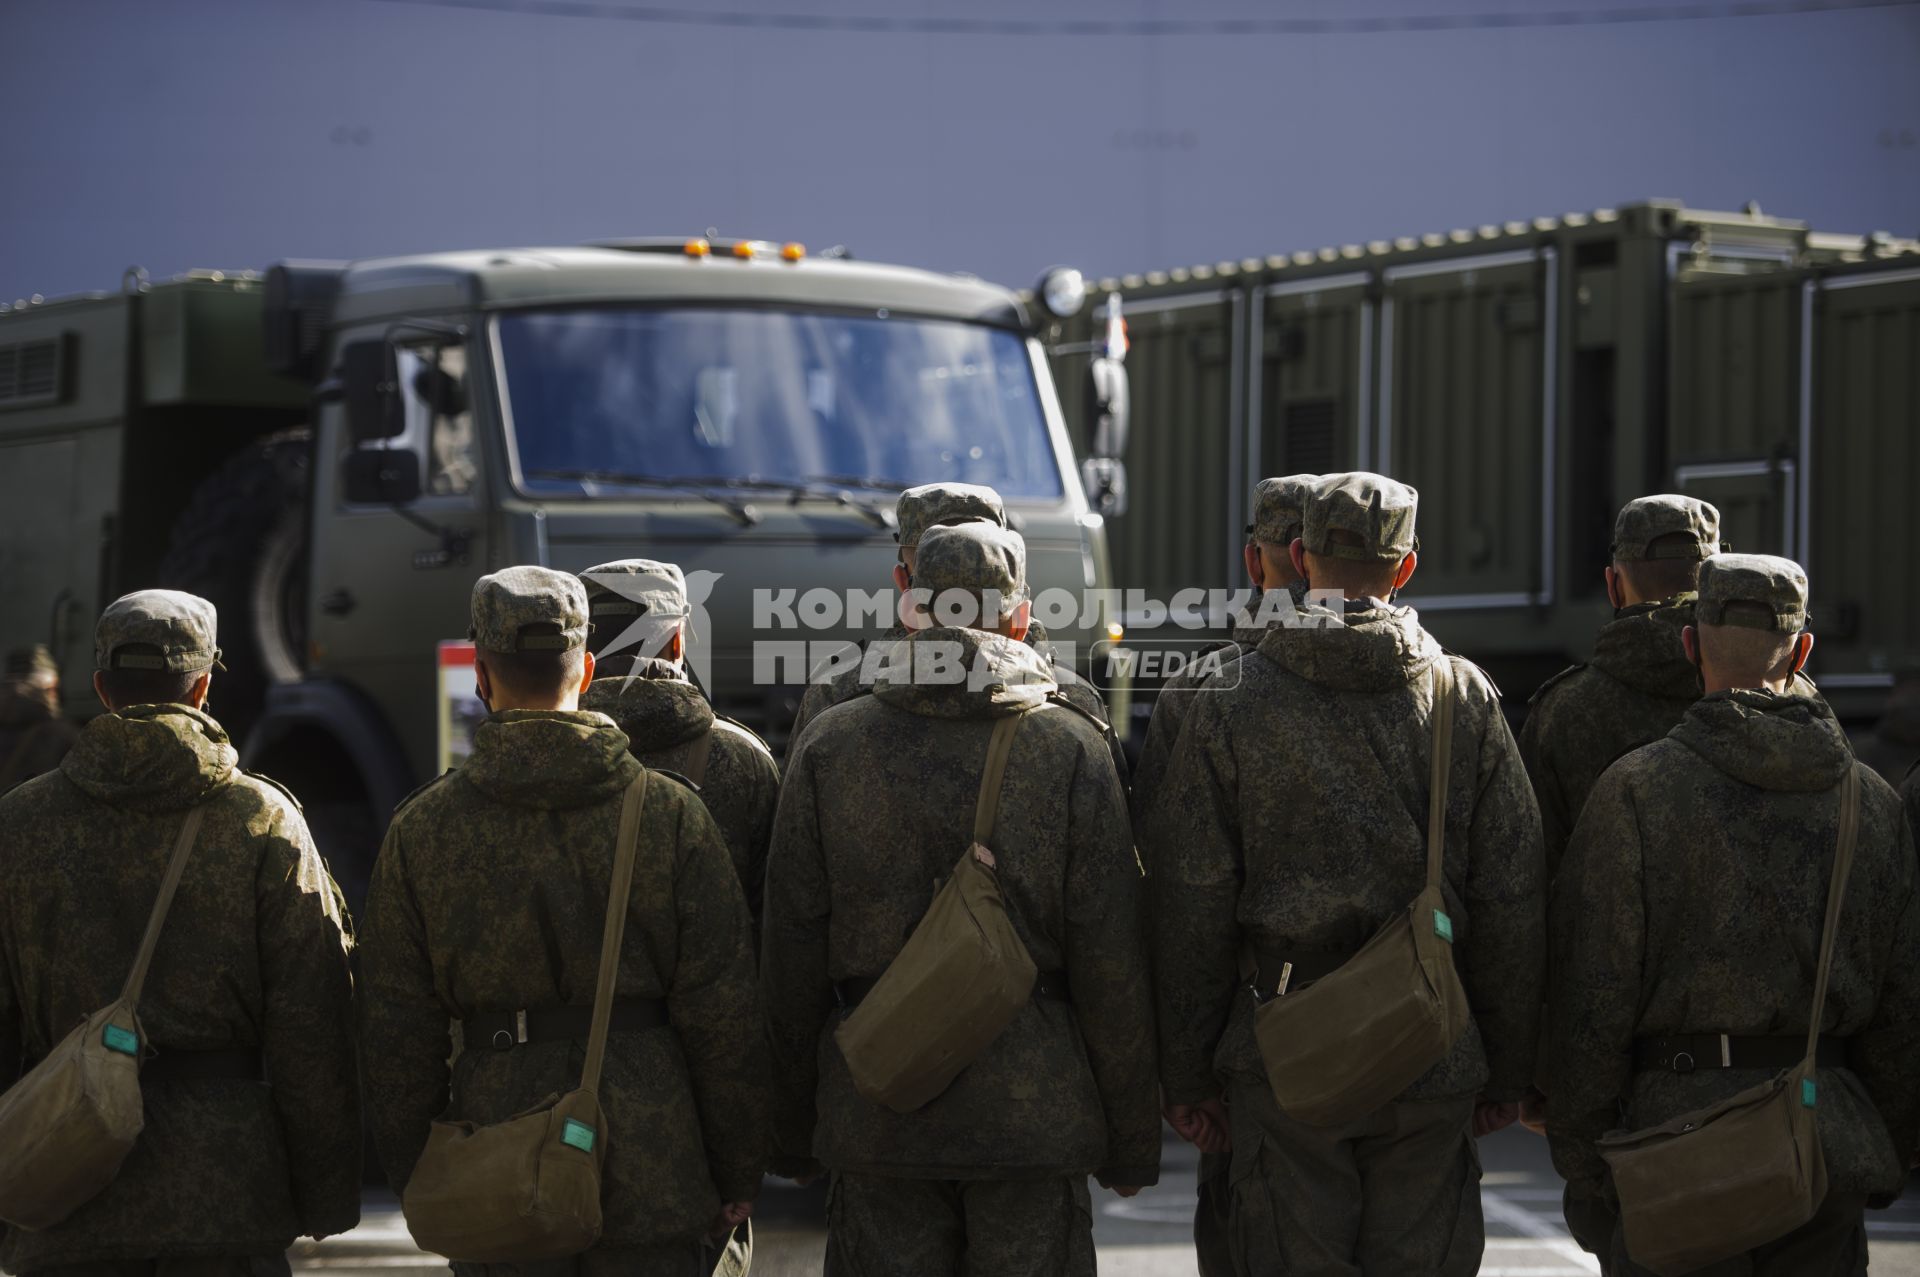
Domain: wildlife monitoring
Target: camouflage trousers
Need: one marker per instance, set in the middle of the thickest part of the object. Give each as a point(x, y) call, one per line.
point(878, 1226)
point(1831, 1244)
point(679, 1259)
point(1397, 1191)
point(174, 1266)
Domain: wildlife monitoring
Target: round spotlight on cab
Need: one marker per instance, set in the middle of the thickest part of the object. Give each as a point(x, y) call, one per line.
point(1063, 291)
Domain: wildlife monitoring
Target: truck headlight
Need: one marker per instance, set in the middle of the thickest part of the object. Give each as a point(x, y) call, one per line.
point(1063, 291)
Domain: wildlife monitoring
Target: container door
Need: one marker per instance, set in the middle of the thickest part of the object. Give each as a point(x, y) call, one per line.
point(1313, 397)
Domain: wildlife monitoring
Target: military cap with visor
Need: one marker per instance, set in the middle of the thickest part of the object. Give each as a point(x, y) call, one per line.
point(631, 599)
point(1667, 526)
point(158, 630)
point(528, 609)
point(1758, 591)
point(1279, 508)
point(935, 504)
point(1375, 514)
point(975, 557)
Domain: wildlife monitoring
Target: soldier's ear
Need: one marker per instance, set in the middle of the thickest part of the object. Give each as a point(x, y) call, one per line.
point(483, 682)
point(1256, 570)
point(1297, 551)
point(586, 672)
point(1404, 572)
point(1616, 588)
point(100, 689)
point(202, 688)
point(1802, 649)
point(1690, 644)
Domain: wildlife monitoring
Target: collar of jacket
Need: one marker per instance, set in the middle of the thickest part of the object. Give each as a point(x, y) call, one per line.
point(1369, 645)
point(549, 759)
point(652, 701)
point(151, 757)
point(1641, 647)
point(952, 672)
point(1789, 744)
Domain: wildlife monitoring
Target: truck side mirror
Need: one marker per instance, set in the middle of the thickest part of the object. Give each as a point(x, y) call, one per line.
point(370, 385)
point(1109, 406)
point(1105, 479)
point(382, 476)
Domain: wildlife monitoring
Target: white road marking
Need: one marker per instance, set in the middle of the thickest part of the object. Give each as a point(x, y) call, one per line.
point(1499, 1210)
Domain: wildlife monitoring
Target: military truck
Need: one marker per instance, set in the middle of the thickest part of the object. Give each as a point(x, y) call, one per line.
point(332, 452)
point(1529, 378)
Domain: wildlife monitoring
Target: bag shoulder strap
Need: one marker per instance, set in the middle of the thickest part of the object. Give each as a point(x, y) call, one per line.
point(1442, 767)
point(176, 866)
point(1836, 893)
point(987, 810)
point(619, 891)
point(696, 768)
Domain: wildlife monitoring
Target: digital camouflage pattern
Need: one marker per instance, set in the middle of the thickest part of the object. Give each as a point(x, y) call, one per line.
point(1175, 702)
point(489, 894)
point(1910, 799)
point(971, 556)
point(932, 504)
point(879, 1226)
point(1294, 817)
point(527, 609)
point(1279, 508)
point(1691, 901)
point(165, 630)
point(1645, 520)
point(663, 716)
point(253, 955)
point(1757, 591)
point(876, 808)
point(1376, 511)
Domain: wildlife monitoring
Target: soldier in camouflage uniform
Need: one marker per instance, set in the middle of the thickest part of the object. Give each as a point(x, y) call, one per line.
point(990, 1176)
point(33, 736)
point(1277, 505)
point(639, 610)
point(252, 1110)
point(1690, 905)
point(1639, 683)
point(1892, 748)
point(486, 909)
point(933, 505)
point(1291, 827)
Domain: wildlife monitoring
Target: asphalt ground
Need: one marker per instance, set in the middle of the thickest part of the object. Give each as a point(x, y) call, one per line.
point(1148, 1235)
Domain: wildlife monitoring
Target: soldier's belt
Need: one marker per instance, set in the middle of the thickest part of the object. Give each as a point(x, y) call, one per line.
point(166, 1065)
point(1049, 984)
point(504, 1030)
point(1688, 1052)
point(1279, 971)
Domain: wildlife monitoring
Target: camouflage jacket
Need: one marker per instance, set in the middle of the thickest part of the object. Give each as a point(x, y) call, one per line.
point(1294, 816)
point(253, 955)
point(1171, 706)
point(33, 738)
point(663, 716)
point(825, 690)
point(1691, 901)
point(1892, 748)
point(876, 809)
point(1910, 798)
point(490, 895)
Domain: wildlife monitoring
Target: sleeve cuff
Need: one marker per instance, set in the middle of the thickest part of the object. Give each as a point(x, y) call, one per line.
point(1143, 1176)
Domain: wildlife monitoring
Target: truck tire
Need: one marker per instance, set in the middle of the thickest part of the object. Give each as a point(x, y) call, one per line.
point(241, 543)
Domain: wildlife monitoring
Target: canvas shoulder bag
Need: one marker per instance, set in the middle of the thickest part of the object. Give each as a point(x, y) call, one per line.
point(958, 981)
point(1723, 1179)
point(68, 1125)
point(1354, 1039)
point(528, 1188)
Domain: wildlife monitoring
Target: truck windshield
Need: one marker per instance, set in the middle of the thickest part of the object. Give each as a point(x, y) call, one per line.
point(606, 397)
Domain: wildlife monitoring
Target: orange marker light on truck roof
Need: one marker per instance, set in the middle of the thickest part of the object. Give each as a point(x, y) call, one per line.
point(698, 248)
point(743, 249)
point(793, 252)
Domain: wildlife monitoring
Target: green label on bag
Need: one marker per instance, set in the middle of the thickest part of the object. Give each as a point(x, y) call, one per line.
point(125, 1041)
point(578, 1134)
point(1807, 1092)
point(1443, 926)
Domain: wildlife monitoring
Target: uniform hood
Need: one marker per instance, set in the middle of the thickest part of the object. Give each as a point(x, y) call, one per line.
point(1788, 744)
point(549, 759)
point(951, 672)
point(657, 709)
point(1367, 646)
point(151, 758)
point(1641, 648)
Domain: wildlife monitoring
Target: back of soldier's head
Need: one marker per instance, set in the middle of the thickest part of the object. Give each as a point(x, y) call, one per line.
point(974, 574)
point(1357, 531)
point(1660, 541)
point(1751, 609)
point(529, 627)
point(152, 647)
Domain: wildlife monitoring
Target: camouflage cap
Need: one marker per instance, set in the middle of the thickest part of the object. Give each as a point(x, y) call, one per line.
point(635, 587)
point(33, 663)
point(157, 630)
point(933, 504)
point(1377, 511)
point(972, 556)
point(1279, 508)
point(1645, 520)
point(528, 609)
point(1759, 591)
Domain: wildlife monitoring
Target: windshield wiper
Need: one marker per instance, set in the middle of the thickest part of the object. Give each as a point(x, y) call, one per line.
point(824, 487)
point(872, 482)
point(742, 512)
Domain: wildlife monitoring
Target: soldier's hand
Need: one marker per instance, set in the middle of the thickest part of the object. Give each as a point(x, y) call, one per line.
point(732, 1215)
point(1489, 1117)
point(1203, 1125)
point(1533, 1112)
point(1122, 1190)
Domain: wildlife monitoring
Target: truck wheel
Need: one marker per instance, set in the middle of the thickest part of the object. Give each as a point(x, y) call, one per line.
point(241, 543)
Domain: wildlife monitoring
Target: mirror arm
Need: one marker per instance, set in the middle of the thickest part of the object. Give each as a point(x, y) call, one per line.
point(453, 543)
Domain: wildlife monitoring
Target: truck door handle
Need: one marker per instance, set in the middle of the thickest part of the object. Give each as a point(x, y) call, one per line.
point(338, 602)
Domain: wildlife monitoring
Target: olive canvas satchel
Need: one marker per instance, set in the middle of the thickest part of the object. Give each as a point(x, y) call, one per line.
point(958, 981)
point(68, 1125)
point(1352, 1040)
point(528, 1188)
point(1721, 1180)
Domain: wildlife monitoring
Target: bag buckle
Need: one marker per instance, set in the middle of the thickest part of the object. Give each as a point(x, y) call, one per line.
point(507, 1039)
point(1682, 1062)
